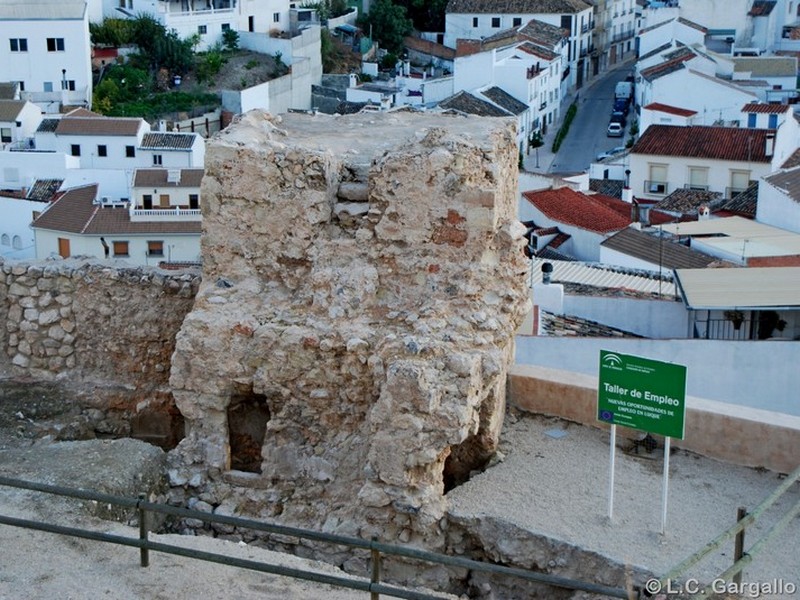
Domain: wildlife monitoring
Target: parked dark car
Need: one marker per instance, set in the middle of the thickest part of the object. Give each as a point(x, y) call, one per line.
point(618, 117)
point(621, 105)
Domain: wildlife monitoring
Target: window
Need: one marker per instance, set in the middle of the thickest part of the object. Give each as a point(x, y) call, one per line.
point(5, 240)
point(202, 29)
point(48, 86)
point(251, 23)
point(698, 178)
point(276, 17)
point(751, 120)
point(194, 201)
point(226, 27)
point(102, 150)
point(157, 160)
point(19, 44)
point(130, 151)
point(155, 248)
point(16, 242)
point(495, 22)
point(474, 21)
point(739, 181)
point(55, 44)
point(657, 184)
point(5, 134)
point(68, 84)
point(21, 86)
point(163, 200)
point(772, 122)
point(120, 248)
point(75, 149)
point(517, 21)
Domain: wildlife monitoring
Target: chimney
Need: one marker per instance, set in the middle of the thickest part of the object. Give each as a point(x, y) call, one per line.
point(703, 213)
point(770, 145)
point(627, 195)
point(353, 80)
point(547, 270)
point(173, 176)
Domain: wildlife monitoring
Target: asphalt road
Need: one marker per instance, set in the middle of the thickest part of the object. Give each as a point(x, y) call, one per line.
point(587, 136)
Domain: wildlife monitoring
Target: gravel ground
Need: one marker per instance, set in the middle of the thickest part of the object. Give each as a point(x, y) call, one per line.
point(562, 484)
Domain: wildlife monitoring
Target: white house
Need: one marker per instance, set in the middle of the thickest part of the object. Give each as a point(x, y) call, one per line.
point(76, 224)
point(46, 49)
point(85, 148)
point(716, 159)
point(678, 29)
point(18, 122)
point(765, 116)
point(657, 113)
point(18, 210)
point(712, 98)
point(478, 19)
point(765, 25)
point(586, 219)
point(779, 200)
point(779, 73)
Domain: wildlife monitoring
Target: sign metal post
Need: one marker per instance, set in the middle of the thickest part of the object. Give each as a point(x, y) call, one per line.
point(645, 394)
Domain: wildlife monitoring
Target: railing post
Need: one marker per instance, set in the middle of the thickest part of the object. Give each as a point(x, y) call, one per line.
point(738, 550)
point(144, 553)
point(375, 558)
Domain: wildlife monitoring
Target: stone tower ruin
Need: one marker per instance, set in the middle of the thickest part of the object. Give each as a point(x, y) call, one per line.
point(345, 360)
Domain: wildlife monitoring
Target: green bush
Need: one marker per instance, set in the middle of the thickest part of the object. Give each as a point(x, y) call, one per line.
point(564, 129)
point(230, 39)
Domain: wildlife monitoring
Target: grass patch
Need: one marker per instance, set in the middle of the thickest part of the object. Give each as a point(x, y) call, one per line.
point(564, 129)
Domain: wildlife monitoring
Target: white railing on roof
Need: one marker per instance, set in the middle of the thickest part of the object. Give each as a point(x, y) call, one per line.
point(165, 214)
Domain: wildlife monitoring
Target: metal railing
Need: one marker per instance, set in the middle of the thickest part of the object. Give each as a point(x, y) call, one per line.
point(376, 549)
point(741, 557)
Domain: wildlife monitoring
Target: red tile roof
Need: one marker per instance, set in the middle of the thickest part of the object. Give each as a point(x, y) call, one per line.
point(574, 208)
point(76, 212)
point(99, 126)
point(754, 107)
point(719, 143)
point(673, 110)
point(429, 47)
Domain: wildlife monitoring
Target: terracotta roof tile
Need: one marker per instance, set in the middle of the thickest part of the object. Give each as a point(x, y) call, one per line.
point(721, 143)
point(99, 126)
point(429, 47)
point(160, 178)
point(505, 100)
point(574, 208)
point(43, 190)
point(467, 103)
point(650, 248)
point(664, 68)
point(553, 325)
point(76, 212)
point(673, 110)
point(71, 212)
point(692, 24)
point(168, 141)
point(516, 6)
point(10, 109)
point(543, 34)
point(688, 201)
point(755, 107)
point(792, 161)
point(744, 204)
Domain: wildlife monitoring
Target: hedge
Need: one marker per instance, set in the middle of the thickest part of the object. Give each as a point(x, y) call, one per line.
point(562, 132)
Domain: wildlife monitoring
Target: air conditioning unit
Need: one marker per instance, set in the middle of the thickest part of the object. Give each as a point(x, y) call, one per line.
point(105, 200)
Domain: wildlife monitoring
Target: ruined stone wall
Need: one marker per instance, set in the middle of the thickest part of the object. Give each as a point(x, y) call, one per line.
point(363, 280)
point(109, 331)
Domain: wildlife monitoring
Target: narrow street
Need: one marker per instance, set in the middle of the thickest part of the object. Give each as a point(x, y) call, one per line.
point(587, 135)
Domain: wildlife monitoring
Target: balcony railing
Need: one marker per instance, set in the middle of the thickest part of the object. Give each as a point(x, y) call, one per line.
point(623, 35)
point(165, 214)
point(656, 187)
point(543, 105)
point(689, 186)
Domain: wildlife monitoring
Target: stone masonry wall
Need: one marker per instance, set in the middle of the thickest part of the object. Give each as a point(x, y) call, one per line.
point(108, 331)
point(363, 279)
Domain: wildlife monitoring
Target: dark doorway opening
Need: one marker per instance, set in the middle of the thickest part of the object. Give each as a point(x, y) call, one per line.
point(248, 415)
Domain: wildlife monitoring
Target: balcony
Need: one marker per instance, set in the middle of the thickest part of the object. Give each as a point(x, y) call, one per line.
point(543, 105)
point(176, 213)
point(618, 37)
point(195, 7)
point(656, 187)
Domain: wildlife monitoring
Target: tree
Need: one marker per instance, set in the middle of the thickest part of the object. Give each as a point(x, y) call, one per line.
point(427, 15)
point(230, 39)
point(388, 24)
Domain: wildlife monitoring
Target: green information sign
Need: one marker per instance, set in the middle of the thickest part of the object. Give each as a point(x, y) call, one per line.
point(642, 393)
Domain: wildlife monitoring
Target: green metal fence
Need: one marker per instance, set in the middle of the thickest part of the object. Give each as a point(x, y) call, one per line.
point(376, 548)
